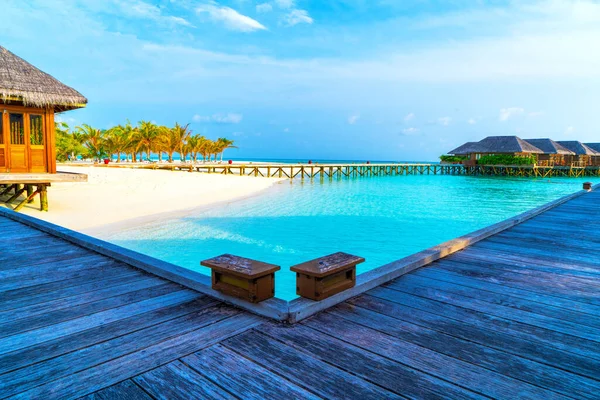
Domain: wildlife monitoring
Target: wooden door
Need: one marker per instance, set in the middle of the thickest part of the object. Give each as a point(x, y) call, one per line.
point(17, 145)
point(37, 154)
point(3, 157)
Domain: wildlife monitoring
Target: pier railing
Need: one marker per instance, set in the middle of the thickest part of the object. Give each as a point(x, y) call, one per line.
point(322, 171)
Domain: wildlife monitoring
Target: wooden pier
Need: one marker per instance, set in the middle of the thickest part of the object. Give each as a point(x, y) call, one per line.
point(13, 186)
point(516, 315)
point(331, 171)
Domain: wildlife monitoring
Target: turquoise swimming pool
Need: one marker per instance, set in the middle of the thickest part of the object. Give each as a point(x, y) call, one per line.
point(382, 219)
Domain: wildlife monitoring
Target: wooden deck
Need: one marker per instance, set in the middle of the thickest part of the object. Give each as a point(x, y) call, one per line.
point(514, 316)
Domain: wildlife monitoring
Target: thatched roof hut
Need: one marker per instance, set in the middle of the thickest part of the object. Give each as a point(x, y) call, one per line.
point(579, 148)
point(465, 149)
point(549, 146)
point(22, 83)
point(593, 146)
point(507, 145)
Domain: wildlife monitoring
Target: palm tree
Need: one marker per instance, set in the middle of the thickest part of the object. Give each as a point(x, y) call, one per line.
point(174, 140)
point(223, 144)
point(68, 144)
point(147, 137)
point(93, 141)
point(119, 139)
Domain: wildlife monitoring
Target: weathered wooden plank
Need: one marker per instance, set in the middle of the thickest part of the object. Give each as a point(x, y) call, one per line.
point(14, 327)
point(553, 285)
point(133, 364)
point(242, 377)
point(24, 271)
point(32, 295)
point(288, 362)
point(29, 338)
point(484, 334)
point(79, 299)
point(177, 381)
point(339, 342)
point(66, 344)
point(34, 375)
point(502, 362)
point(440, 292)
point(572, 344)
point(126, 390)
point(89, 270)
point(581, 309)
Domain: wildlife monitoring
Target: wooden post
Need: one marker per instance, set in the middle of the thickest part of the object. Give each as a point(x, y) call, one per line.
point(43, 197)
point(323, 277)
point(241, 277)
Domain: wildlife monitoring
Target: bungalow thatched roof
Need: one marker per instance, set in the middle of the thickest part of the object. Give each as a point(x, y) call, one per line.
point(593, 146)
point(549, 146)
point(22, 82)
point(579, 148)
point(507, 145)
point(467, 148)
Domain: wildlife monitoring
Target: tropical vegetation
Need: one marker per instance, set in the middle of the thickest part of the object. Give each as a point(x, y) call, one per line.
point(453, 159)
point(137, 143)
point(506, 159)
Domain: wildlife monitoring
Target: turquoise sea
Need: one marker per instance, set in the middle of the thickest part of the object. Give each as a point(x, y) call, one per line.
point(380, 218)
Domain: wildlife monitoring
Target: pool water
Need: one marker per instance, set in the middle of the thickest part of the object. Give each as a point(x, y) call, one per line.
point(381, 219)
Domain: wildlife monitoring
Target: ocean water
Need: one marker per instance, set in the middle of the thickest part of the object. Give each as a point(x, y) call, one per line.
point(382, 219)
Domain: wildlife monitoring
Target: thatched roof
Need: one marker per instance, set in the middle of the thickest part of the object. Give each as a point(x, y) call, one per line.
point(467, 148)
point(593, 146)
point(507, 145)
point(22, 82)
point(579, 148)
point(549, 146)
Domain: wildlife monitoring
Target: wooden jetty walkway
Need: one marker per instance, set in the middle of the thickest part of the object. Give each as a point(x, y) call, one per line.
point(322, 171)
point(516, 315)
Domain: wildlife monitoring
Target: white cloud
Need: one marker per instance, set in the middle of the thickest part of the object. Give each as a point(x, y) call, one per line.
point(229, 118)
point(296, 17)
point(535, 114)
point(445, 121)
point(232, 19)
point(141, 9)
point(285, 4)
point(409, 117)
point(353, 118)
point(510, 112)
point(286, 130)
point(471, 121)
point(264, 8)
point(569, 130)
point(410, 131)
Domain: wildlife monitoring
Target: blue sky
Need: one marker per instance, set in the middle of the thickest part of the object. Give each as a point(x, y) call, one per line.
point(338, 79)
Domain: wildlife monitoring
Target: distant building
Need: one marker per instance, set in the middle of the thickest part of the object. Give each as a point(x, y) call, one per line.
point(554, 152)
point(583, 155)
point(492, 145)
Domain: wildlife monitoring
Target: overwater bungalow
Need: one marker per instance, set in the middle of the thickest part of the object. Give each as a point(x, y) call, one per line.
point(29, 100)
point(595, 147)
point(554, 152)
point(496, 145)
point(584, 155)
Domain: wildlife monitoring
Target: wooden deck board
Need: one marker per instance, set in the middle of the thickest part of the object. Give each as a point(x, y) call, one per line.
point(514, 316)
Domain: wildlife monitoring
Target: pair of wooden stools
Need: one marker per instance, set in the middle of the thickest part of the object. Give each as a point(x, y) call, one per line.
point(254, 281)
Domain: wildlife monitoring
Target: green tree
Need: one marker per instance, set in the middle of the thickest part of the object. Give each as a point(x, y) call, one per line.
point(93, 141)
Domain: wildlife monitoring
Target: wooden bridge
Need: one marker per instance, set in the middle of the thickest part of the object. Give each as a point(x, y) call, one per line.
point(322, 171)
point(516, 315)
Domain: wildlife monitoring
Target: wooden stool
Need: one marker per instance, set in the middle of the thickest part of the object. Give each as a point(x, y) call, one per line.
point(323, 277)
point(247, 279)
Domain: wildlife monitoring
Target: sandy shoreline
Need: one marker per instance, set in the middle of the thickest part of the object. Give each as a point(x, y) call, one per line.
point(128, 197)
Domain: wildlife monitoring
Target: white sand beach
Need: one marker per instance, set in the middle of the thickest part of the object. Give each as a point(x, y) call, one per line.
point(115, 195)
